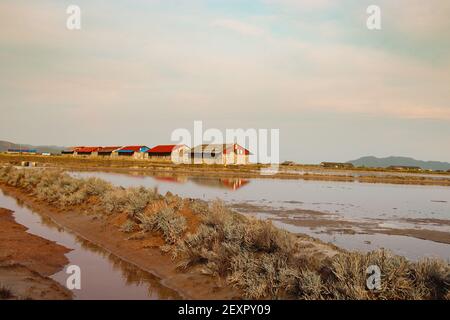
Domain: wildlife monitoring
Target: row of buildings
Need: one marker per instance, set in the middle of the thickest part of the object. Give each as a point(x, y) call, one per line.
point(230, 153)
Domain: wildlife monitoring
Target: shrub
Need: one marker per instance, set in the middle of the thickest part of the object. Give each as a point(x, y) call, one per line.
point(199, 206)
point(432, 278)
point(166, 221)
point(5, 293)
point(114, 200)
point(128, 226)
point(138, 199)
point(97, 187)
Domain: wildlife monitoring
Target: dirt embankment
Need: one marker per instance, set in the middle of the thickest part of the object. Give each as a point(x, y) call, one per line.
point(144, 250)
point(27, 261)
point(239, 171)
point(140, 250)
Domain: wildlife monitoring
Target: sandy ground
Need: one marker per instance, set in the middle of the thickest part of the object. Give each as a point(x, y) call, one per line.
point(27, 261)
point(243, 171)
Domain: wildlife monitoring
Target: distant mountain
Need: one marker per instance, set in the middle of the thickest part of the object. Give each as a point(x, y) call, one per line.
point(399, 161)
point(5, 145)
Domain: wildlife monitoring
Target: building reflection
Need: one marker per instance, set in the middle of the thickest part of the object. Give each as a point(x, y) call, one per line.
point(226, 183)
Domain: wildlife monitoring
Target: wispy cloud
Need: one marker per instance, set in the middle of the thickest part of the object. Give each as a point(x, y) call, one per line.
point(240, 27)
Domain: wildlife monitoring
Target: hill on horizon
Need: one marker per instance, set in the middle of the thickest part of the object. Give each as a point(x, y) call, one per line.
point(5, 145)
point(371, 161)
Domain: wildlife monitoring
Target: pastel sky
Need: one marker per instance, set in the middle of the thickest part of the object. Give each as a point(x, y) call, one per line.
point(138, 69)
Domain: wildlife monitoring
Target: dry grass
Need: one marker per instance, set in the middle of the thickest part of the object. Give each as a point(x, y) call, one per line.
point(165, 221)
point(252, 255)
point(5, 293)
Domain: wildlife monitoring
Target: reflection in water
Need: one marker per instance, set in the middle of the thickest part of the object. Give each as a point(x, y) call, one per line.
point(227, 183)
point(104, 276)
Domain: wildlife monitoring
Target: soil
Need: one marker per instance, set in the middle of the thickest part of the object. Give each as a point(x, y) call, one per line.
point(27, 261)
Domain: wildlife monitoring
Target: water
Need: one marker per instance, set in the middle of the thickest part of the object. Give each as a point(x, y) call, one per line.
point(359, 173)
point(103, 276)
point(387, 205)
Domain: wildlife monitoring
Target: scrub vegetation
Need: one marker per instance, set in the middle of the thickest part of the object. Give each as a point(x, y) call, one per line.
point(264, 262)
point(5, 293)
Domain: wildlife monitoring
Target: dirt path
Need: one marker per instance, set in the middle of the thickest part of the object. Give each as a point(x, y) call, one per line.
point(27, 261)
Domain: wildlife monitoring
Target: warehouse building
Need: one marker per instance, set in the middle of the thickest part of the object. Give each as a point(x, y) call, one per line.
point(229, 153)
point(136, 152)
point(171, 152)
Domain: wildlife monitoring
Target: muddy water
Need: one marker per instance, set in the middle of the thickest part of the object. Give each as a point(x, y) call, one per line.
point(387, 205)
point(103, 276)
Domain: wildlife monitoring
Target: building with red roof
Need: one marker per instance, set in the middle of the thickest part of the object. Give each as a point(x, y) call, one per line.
point(84, 151)
point(228, 153)
point(137, 152)
point(177, 153)
point(107, 151)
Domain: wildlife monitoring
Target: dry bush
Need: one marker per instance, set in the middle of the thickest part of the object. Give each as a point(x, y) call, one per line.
point(128, 226)
point(174, 201)
point(198, 206)
point(31, 179)
point(15, 178)
point(97, 187)
point(400, 279)
point(432, 278)
point(138, 199)
point(166, 221)
point(250, 253)
point(348, 280)
point(114, 200)
point(258, 275)
point(5, 293)
point(302, 283)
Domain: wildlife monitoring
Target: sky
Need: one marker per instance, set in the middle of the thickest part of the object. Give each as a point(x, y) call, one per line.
point(139, 69)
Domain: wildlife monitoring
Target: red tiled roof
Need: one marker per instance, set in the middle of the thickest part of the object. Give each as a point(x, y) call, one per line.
point(108, 149)
point(86, 149)
point(237, 146)
point(132, 148)
point(167, 148)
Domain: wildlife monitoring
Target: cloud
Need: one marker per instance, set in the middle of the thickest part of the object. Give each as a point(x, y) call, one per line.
point(168, 64)
point(240, 27)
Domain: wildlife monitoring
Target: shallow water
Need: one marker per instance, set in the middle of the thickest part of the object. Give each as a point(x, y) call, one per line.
point(356, 174)
point(387, 204)
point(103, 276)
